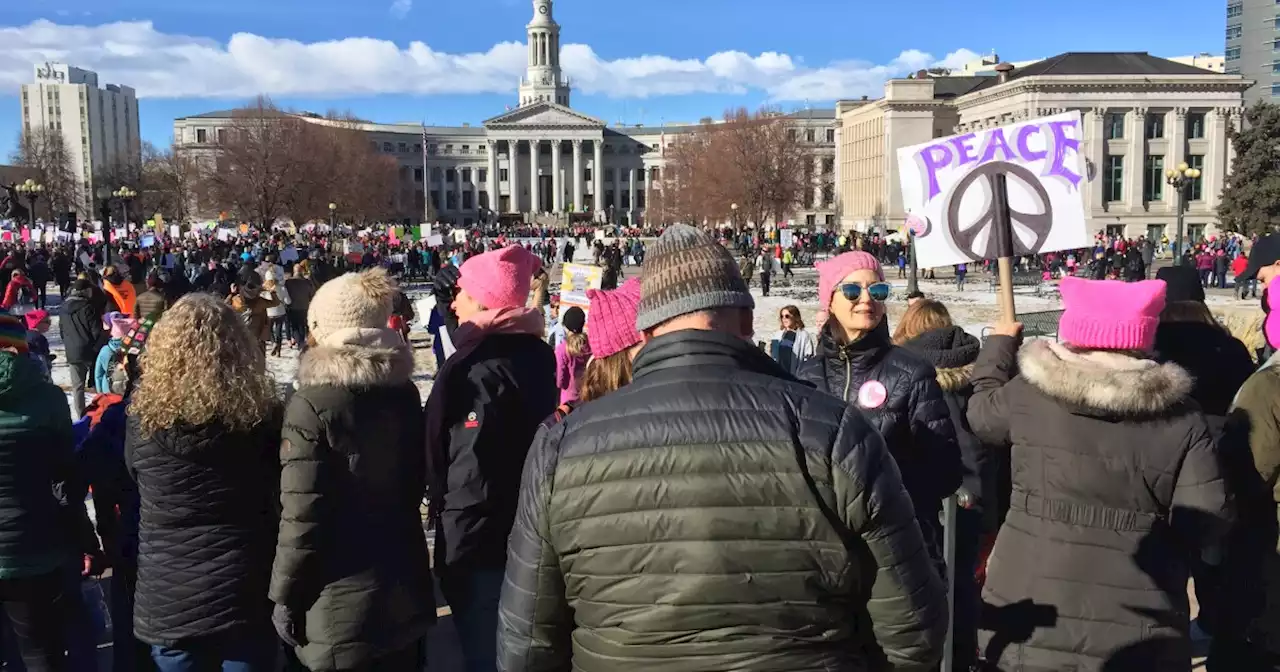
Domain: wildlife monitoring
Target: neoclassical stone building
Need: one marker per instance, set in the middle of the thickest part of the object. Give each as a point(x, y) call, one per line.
point(1141, 114)
point(542, 160)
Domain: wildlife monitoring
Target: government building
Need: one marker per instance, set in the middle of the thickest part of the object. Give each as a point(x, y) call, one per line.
point(1142, 115)
point(542, 161)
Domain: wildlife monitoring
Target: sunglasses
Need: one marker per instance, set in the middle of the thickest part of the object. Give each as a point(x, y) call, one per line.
point(878, 291)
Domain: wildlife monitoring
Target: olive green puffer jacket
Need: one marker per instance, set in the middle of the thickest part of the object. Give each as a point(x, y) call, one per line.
point(716, 514)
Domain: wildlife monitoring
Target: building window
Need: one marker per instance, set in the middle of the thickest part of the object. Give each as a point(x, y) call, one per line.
point(1195, 125)
point(831, 135)
point(640, 200)
point(1235, 10)
point(435, 200)
point(417, 148)
point(654, 175)
point(201, 136)
point(586, 174)
point(1113, 179)
point(792, 134)
point(482, 174)
point(1234, 32)
point(403, 147)
point(1233, 71)
point(386, 147)
point(1153, 179)
point(466, 200)
point(502, 174)
point(417, 174)
point(448, 149)
point(640, 176)
point(1233, 53)
point(466, 174)
point(608, 198)
point(626, 200)
point(1115, 230)
point(1275, 90)
point(484, 200)
point(450, 201)
point(808, 135)
point(608, 174)
point(466, 149)
point(222, 135)
point(828, 166)
point(810, 221)
point(1197, 185)
point(827, 192)
point(1155, 126)
point(655, 145)
point(450, 175)
point(1115, 126)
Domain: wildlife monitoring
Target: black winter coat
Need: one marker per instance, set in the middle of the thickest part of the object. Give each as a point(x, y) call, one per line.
point(1117, 489)
point(81, 326)
point(910, 412)
point(207, 531)
point(952, 352)
point(481, 417)
point(716, 514)
point(1217, 361)
point(351, 554)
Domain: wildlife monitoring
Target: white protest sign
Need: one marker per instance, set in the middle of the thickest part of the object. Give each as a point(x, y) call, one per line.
point(576, 279)
point(948, 189)
point(435, 240)
point(786, 237)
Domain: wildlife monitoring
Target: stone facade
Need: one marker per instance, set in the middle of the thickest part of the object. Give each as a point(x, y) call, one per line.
point(1135, 127)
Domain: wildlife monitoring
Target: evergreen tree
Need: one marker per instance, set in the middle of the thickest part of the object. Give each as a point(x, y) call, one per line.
point(1251, 194)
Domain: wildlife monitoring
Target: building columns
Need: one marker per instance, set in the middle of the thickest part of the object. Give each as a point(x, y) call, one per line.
point(577, 176)
point(1095, 139)
point(631, 195)
point(1177, 152)
point(557, 184)
point(491, 184)
point(535, 146)
point(1218, 160)
point(597, 176)
point(648, 194)
point(1137, 159)
point(513, 175)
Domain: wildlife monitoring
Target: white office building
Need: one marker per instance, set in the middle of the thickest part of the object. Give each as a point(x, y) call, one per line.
point(542, 160)
point(98, 124)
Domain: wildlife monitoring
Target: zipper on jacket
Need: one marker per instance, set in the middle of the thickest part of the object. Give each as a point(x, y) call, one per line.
point(848, 377)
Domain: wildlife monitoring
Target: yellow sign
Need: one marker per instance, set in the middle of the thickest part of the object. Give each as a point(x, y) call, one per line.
point(574, 283)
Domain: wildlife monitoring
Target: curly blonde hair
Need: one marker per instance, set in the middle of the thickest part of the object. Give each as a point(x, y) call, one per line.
point(201, 365)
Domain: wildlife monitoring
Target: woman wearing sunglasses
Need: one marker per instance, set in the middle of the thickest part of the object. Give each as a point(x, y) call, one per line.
point(793, 344)
point(858, 362)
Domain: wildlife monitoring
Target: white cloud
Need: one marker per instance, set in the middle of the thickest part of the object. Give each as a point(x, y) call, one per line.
point(401, 8)
point(170, 65)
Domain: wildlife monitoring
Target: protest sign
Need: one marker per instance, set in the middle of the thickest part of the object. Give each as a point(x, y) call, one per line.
point(948, 188)
point(435, 240)
point(786, 238)
point(289, 253)
point(575, 280)
point(147, 240)
point(459, 236)
point(175, 231)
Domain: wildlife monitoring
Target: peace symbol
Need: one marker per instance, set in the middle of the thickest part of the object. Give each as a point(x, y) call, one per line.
point(984, 178)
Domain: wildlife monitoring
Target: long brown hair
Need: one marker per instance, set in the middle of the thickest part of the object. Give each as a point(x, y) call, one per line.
point(797, 322)
point(1188, 311)
point(923, 315)
point(575, 343)
point(605, 375)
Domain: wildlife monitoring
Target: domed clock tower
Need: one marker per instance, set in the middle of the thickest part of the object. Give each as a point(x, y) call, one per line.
point(543, 80)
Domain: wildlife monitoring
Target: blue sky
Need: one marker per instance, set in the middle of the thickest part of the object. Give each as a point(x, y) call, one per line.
point(643, 62)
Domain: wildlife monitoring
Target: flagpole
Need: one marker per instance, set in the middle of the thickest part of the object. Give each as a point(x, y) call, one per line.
point(426, 181)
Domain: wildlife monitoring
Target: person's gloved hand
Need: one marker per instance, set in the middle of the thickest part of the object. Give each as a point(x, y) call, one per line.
point(290, 625)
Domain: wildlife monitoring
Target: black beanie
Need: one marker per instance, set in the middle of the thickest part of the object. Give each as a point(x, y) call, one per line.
point(1182, 282)
point(574, 320)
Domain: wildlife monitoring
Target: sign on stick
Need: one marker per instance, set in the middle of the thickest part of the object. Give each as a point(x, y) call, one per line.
point(949, 190)
point(574, 283)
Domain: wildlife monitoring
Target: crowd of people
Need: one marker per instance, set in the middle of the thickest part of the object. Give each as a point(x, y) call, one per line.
point(641, 486)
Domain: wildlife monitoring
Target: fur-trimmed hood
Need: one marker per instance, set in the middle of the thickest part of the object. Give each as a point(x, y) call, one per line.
point(1103, 381)
point(355, 366)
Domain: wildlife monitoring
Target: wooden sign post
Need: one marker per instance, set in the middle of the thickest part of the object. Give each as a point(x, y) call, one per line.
point(1002, 229)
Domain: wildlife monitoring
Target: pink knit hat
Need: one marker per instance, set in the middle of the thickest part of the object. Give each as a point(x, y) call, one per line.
point(121, 326)
point(832, 271)
point(611, 322)
point(1271, 325)
point(501, 278)
point(1110, 314)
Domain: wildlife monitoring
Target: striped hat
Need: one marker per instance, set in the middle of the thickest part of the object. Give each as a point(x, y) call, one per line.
point(686, 271)
point(13, 332)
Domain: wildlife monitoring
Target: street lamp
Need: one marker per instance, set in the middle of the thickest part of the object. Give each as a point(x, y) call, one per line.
point(105, 195)
point(734, 208)
point(32, 190)
point(125, 194)
point(333, 207)
point(1181, 179)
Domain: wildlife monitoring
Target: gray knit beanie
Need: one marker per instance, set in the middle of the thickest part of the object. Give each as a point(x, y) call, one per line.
point(684, 272)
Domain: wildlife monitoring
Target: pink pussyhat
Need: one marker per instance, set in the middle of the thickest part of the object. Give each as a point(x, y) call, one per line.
point(1271, 325)
point(832, 271)
point(1110, 314)
point(611, 319)
point(501, 278)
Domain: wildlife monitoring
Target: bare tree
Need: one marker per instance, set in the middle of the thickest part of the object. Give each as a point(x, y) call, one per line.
point(45, 152)
point(167, 182)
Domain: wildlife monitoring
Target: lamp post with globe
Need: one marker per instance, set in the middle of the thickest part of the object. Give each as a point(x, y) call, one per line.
point(32, 190)
point(333, 222)
point(1181, 179)
point(124, 195)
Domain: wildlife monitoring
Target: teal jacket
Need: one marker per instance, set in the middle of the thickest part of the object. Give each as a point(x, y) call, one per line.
point(102, 368)
point(43, 522)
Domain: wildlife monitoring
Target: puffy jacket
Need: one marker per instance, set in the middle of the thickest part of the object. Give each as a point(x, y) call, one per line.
point(482, 414)
point(81, 328)
point(122, 293)
point(952, 352)
point(351, 553)
point(39, 531)
point(207, 530)
point(716, 514)
point(898, 391)
point(151, 303)
point(1117, 489)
